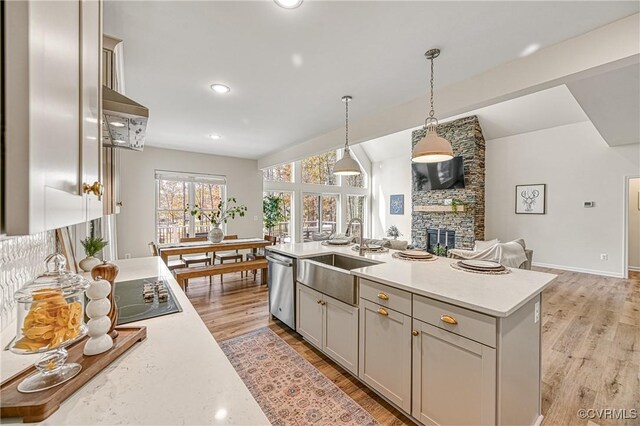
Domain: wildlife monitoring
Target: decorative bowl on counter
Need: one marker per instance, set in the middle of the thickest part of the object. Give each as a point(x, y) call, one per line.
point(50, 317)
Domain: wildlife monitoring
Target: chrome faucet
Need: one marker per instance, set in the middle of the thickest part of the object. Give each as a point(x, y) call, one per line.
point(363, 245)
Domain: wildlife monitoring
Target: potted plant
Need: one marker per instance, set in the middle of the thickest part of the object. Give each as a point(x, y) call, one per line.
point(272, 210)
point(225, 211)
point(393, 232)
point(92, 245)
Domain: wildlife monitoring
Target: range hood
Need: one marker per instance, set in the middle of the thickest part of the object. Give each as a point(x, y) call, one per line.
point(124, 123)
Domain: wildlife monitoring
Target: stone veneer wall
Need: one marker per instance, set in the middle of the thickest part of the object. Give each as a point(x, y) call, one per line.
point(466, 139)
point(21, 259)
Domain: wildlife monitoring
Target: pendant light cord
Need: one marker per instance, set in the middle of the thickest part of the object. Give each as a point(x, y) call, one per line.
point(431, 112)
point(346, 125)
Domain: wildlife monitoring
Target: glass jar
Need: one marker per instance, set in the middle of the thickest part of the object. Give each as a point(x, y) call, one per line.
point(50, 317)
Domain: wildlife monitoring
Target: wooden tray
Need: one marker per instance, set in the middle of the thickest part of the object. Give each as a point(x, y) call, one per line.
point(37, 406)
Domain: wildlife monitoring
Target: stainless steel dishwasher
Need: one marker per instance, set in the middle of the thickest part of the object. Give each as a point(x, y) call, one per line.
point(282, 295)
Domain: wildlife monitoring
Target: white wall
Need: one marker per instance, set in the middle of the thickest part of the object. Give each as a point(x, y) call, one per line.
point(136, 221)
point(391, 176)
point(577, 166)
point(634, 224)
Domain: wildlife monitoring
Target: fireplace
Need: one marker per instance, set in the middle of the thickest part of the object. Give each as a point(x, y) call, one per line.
point(443, 238)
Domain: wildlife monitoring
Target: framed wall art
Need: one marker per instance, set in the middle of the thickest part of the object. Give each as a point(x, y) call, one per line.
point(531, 199)
point(396, 204)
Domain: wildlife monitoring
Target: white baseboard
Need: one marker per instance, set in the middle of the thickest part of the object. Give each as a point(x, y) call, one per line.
point(634, 268)
point(583, 270)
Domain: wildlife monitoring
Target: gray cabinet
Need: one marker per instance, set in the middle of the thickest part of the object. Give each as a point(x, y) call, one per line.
point(51, 53)
point(328, 324)
point(454, 378)
point(309, 314)
point(385, 352)
point(340, 339)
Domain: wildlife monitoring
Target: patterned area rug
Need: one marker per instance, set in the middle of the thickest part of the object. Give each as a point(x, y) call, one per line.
point(289, 389)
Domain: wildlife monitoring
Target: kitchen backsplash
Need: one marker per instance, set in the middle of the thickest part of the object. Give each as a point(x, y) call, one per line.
point(21, 258)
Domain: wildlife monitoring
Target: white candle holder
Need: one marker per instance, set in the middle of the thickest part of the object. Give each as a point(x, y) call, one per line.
point(99, 323)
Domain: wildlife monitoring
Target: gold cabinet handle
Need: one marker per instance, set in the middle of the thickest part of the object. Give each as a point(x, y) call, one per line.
point(448, 319)
point(95, 189)
point(383, 296)
point(383, 311)
point(323, 303)
point(319, 302)
point(415, 333)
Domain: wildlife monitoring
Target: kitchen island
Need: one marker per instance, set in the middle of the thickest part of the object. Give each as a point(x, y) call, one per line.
point(178, 375)
point(444, 346)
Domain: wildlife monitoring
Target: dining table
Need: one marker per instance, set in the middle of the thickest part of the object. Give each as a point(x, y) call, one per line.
point(194, 247)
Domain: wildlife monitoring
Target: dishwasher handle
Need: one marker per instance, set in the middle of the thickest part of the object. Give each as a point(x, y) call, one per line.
point(279, 262)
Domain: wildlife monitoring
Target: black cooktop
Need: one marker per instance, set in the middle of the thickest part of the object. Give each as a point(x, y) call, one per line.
point(132, 307)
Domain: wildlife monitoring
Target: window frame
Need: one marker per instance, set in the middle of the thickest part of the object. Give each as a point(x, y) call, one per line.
point(191, 179)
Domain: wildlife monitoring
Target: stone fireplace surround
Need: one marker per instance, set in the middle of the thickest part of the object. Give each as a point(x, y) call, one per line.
point(467, 140)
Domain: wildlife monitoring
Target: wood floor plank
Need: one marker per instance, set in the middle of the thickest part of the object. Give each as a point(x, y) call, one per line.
point(590, 343)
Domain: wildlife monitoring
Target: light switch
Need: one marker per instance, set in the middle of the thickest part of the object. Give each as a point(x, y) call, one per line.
point(589, 204)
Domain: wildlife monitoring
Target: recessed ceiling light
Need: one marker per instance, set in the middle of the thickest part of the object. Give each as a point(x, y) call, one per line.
point(533, 47)
point(220, 88)
point(288, 4)
point(215, 137)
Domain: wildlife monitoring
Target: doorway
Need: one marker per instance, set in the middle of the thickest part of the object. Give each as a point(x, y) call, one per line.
point(632, 222)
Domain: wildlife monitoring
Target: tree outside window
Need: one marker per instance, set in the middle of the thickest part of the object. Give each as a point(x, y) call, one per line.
point(319, 169)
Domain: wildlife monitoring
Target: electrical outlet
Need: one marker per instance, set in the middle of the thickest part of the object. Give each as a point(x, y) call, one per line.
point(127, 255)
point(604, 256)
point(536, 315)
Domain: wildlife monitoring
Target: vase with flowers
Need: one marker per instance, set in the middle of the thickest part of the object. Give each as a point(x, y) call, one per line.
point(225, 211)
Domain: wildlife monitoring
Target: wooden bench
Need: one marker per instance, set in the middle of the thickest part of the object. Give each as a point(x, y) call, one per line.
point(183, 274)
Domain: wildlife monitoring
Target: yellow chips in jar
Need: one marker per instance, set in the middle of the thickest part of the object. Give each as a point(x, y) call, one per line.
point(50, 321)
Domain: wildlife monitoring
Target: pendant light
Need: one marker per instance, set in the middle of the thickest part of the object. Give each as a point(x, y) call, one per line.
point(432, 148)
point(347, 165)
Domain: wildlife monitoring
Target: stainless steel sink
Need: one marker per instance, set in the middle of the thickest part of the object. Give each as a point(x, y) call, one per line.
point(329, 274)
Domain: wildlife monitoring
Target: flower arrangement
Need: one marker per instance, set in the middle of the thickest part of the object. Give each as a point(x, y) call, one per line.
point(225, 211)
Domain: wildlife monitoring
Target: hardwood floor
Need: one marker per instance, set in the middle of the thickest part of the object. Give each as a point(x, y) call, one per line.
point(590, 343)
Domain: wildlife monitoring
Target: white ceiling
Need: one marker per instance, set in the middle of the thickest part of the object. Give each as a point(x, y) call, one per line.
point(288, 69)
point(541, 110)
point(612, 103)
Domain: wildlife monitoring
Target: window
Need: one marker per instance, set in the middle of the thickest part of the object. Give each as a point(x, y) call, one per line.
point(319, 215)
point(355, 181)
point(175, 192)
point(319, 169)
point(282, 231)
point(355, 208)
point(282, 173)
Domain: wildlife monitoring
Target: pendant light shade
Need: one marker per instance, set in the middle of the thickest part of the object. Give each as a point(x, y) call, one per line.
point(347, 165)
point(432, 148)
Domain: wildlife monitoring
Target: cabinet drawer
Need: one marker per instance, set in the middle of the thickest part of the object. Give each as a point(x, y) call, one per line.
point(470, 324)
point(389, 297)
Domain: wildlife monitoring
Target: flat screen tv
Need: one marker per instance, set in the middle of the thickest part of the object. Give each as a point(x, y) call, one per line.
point(443, 175)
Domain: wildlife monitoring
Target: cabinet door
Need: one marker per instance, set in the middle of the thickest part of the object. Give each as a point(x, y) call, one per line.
point(453, 378)
point(385, 352)
point(91, 102)
point(340, 340)
point(309, 314)
point(42, 98)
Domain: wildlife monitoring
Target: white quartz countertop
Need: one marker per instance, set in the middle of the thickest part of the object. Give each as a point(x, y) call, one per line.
point(178, 375)
point(495, 295)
